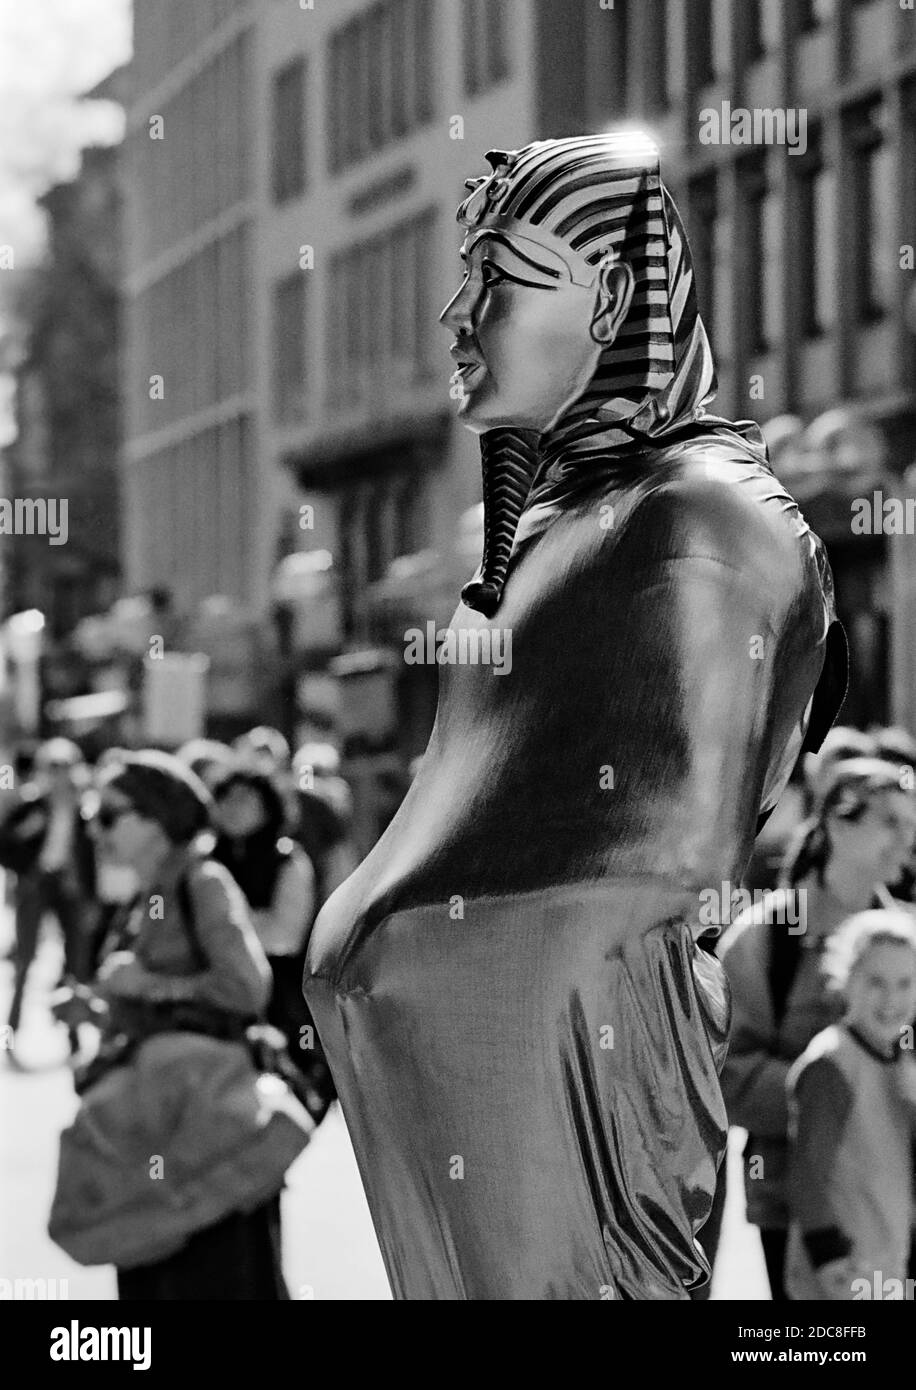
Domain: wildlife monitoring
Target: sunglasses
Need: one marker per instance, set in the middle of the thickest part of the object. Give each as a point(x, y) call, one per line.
point(108, 816)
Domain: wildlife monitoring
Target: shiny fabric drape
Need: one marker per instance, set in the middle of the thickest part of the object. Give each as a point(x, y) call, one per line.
point(523, 1031)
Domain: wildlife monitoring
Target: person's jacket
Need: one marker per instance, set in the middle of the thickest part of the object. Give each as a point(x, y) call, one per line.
point(780, 1001)
point(192, 940)
point(23, 832)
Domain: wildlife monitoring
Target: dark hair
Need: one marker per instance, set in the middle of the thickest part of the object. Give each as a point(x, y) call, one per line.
point(162, 789)
point(276, 813)
point(848, 790)
point(256, 860)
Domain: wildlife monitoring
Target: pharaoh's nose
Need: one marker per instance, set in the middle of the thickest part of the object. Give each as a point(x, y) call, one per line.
point(456, 316)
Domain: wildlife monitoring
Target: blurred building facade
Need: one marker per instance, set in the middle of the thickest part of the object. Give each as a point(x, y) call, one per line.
point(804, 259)
point(374, 115)
point(192, 454)
point(67, 404)
point(291, 241)
point(801, 259)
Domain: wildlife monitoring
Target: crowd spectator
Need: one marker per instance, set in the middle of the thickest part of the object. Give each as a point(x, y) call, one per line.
point(43, 841)
point(852, 1102)
point(174, 1083)
point(207, 758)
point(278, 880)
point(324, 817)
point(264, 748)
point(855, 843)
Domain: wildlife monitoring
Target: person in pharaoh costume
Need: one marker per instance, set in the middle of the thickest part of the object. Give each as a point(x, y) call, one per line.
point(523, 1028)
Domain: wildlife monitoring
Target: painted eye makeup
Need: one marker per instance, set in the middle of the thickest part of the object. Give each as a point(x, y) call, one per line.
point(494, 274)
point(513, 266)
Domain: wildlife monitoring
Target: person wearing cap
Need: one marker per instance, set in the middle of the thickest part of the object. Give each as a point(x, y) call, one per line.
point(842, 743)
point(264, 747)
point(798, 800)
point(43, 840)
point(843, 856)
point(206, 757)
point(179, 985)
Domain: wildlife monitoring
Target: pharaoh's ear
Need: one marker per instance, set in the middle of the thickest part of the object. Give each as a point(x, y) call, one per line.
point(613, 297)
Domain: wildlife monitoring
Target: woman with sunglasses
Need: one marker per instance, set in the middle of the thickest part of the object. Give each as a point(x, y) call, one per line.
point(854, 844)
point(173, 1168)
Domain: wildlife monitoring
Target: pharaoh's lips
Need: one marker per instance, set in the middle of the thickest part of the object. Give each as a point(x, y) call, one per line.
point(468, 365)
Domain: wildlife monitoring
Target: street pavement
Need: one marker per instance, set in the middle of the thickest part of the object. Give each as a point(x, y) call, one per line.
point(330, 1250)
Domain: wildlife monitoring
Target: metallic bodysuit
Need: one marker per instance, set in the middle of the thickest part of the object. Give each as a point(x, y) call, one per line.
point(523, 1030)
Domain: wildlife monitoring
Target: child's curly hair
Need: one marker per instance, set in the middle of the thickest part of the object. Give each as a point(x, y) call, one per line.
point(850, 943)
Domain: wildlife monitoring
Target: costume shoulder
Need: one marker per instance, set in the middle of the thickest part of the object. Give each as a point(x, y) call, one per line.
point(711, 505)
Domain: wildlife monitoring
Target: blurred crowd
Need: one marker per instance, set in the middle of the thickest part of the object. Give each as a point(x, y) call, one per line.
point(184, 888)
point(820, 1071)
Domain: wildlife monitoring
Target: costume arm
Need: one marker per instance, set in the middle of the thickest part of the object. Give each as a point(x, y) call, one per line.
point(730, 628)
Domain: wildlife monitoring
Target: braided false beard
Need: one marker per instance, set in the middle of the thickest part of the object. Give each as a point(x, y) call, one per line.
point(509, 460)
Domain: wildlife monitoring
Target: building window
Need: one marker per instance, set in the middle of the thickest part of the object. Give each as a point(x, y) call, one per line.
point(486, 59)
point(349, 558)
point(749, 18)
point(379, 522)
point(289, 349)
point(755, 207)
point(816, 243)
point(657, 60)
point(382, 315)
point(763, 266)
point(812, 13)
point(703, 204)
point(381, 79)
point(874, 202)
point(410, 519)
point(701, 39)
point(289, 132)
point(908, 192)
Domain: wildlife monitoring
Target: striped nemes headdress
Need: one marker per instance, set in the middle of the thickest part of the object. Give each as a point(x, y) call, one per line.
point(589, 199)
